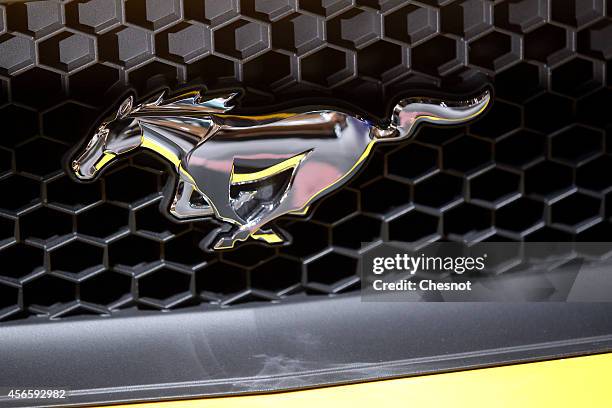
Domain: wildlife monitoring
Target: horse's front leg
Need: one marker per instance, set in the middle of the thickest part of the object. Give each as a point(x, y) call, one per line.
point(183, 206)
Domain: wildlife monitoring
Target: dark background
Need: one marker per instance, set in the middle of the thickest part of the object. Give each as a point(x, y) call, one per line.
point(536, 167)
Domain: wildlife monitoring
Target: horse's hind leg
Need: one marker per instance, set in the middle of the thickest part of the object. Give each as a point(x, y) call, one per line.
point(256, 227)
point(183, 207)
point(295, 201)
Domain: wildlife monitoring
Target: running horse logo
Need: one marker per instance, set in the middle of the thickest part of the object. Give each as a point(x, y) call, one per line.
point(249, 170)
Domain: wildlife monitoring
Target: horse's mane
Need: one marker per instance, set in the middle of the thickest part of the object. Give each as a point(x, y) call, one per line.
point(193, 102)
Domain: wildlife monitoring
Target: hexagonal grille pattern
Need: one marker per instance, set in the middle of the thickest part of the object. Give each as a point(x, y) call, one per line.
point(537, 167)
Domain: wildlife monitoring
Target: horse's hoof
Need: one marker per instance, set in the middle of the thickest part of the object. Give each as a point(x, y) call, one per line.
point(268, 236)
point(224, 243)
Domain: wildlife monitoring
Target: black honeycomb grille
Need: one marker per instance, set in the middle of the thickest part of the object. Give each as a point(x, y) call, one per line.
point(537, 167)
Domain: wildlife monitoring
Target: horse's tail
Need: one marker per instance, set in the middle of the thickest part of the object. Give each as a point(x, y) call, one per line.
point(409, 113)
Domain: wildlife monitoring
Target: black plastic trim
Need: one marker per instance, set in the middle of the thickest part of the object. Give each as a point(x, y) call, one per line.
point(291, 346)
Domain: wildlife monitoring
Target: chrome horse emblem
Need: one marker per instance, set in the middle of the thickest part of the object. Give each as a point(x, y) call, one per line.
point(249, 170)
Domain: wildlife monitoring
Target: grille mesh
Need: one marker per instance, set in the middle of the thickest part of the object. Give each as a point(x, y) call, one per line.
point(537, 167)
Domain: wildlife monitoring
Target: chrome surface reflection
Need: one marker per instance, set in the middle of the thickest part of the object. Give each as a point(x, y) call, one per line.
point(249, 170)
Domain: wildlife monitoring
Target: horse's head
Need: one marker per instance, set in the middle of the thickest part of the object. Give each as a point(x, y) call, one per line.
point(116, 135)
